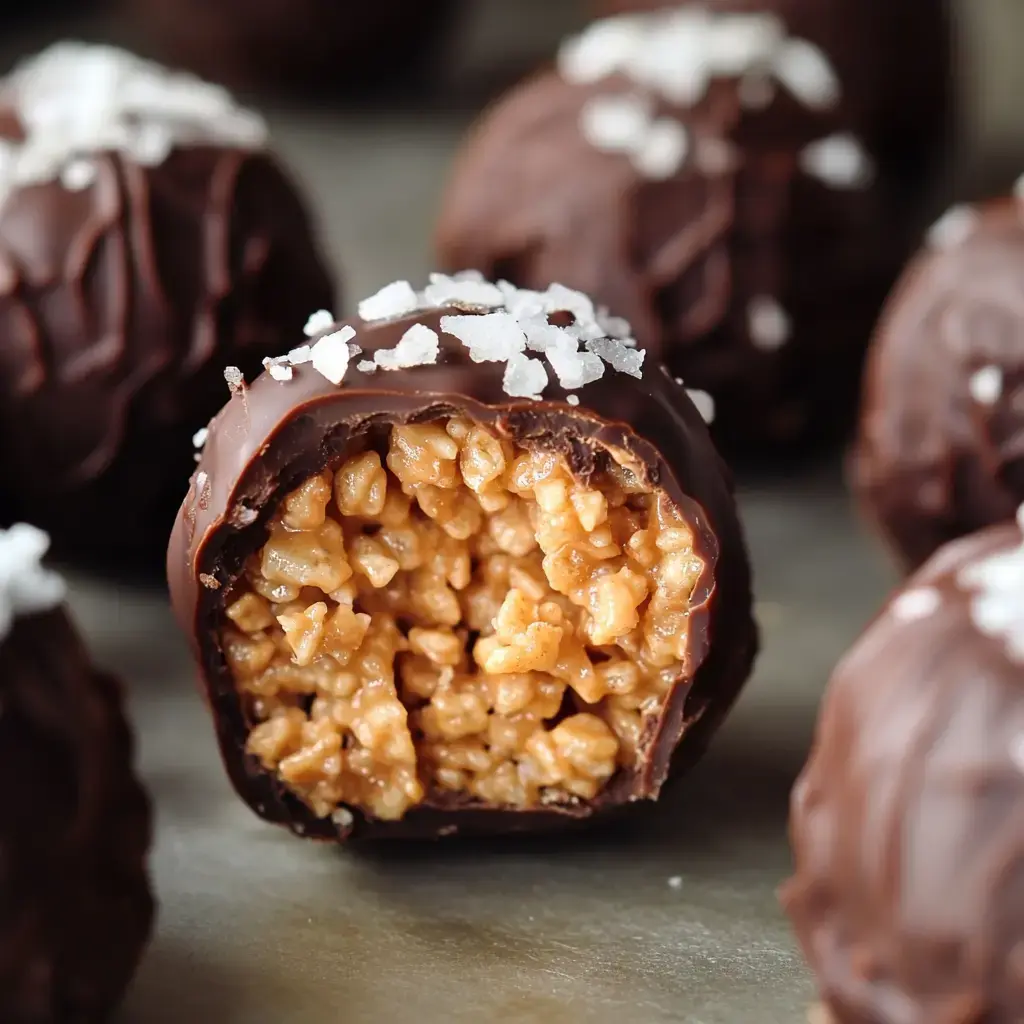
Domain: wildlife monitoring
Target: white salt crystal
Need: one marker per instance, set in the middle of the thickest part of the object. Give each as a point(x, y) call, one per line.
point(619, 356)
point(280, 372)
point(417, 347)
point(330, 355)
point(574, 369)
point(613, 326)
point(392, 301)
point(703, 402)
point(616, 124)
point(953, 228)
point(573, 399)
point(234, 377)
point(540, 335)
point(524, 377)
point(300, 355)
point(768, 323)
point(559, 299)
point(462, 291)
point(738, 42)
point(806, 72)
point(916, 604)
point(318, 322)
point(521, 302)
point(343, 817)
point(663, 152)
point(491, 337)
point(602, 49)
point(26, 586)
point(839, 161)
point(78, 175)
point(997, 601)
point(200, 436)
point(366, 366)
point(986, 385)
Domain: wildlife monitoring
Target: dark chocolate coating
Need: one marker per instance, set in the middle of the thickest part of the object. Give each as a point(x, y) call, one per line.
point(908, 821)
point(275, 435)
point(531, 200)
point(932, 463)
point(75, 902)
point(303, 45)
point(119, 307)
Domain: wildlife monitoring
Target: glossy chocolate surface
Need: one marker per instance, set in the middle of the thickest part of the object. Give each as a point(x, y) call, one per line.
point(75, 903)
point(907, 823)
point(939, 452)
point(119, 306)
point(273, 435)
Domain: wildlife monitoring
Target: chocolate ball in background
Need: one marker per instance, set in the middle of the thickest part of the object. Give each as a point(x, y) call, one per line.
point(458, 594)
point(147, 238)
point(700, 175)
point(908, 821)
point(894, 59)
point(938, 453)
point(75, 902)
point(303, 45)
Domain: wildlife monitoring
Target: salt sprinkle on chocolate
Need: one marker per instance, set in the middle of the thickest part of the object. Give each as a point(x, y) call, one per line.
point(768, 323)
point(419, 346)
point(234, 377)
point(492, 337)
point(302, 354)
point(392, 301)
point(524, 377)
point(838, 161)
point(573, 399)
point(703, 402)
point(330, 354)
point(663, 151)
point(318, 322)
point(986, 385)
point(26, 586)
point(953, 228)
point(200, 436)
point(76, 99)
point(913, 605)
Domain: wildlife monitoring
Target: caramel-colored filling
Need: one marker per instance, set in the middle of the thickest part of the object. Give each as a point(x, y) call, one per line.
point(450, 612)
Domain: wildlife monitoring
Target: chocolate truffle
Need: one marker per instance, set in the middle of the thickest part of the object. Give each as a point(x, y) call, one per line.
point(435, 583)
point(908, 820)
point(939, 453)
point(699, 174)
point(74, 822)
point(894, 60)
point(302, 45)
point(146, 238)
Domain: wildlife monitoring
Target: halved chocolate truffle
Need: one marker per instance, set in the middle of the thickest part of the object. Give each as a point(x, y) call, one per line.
point(75, 902)
point(146, 238)
point(700, 174)
point(469, 563)
point(939, 448)
point(908, 821)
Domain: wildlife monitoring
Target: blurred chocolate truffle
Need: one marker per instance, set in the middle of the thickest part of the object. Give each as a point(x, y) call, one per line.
point(908, 821)
point(699, 174)
point(939, 452)
point(893, 58)
point(75, 902)
point(304, 45)
point(436, 584)
point(146, 239)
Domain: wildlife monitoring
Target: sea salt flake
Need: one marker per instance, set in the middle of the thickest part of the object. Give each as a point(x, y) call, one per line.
point(574, 369)
point(768, 323)
point(916, 604)
point(806, 72)
point(367, 366)
point(300, 355)
point(573, 399)
point(953, 228)
point(738, 42)
point(602, 49)
point(200, 436)
point(419, 346)
point(997, 598)
point(330, 355)
point(619, 356)
point(234, 377)
point(462, 291)
point(318, 322)
point(839, 161)
point(343, 817)
point(392, 301)
point(78, 175)
point(541, 335)
point(26, 586)
point(986, 385)
point(490, 337)
point(663, 151)
point(279, 372)
point(703, 402)
point(559, 299)
point(613, 326)
point(524, 377)
point(616, 124)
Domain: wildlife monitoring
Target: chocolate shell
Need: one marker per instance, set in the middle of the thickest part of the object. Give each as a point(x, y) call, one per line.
point(747, 235)
point(276, 434)
point(122, 296)
point(938, 453)
point(74, 827)
point(907, 823)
